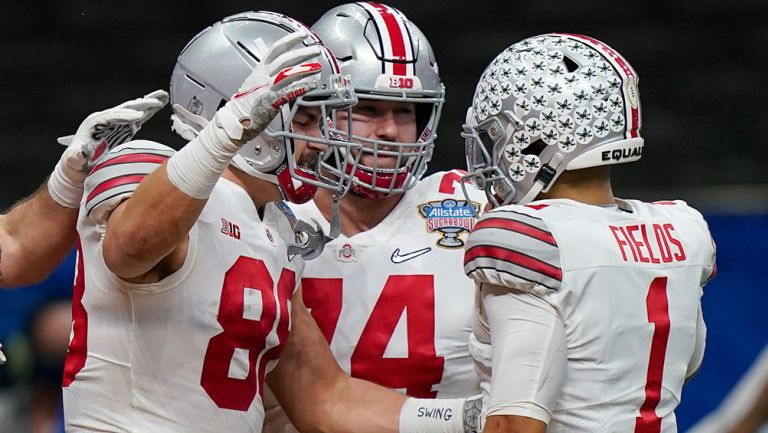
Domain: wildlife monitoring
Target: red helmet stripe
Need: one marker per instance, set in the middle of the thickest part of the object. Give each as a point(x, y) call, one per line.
point(623, 65)
point(397, 42)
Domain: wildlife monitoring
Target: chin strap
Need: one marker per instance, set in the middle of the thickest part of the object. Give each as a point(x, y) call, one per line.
point(335, 229)
point(543, 179)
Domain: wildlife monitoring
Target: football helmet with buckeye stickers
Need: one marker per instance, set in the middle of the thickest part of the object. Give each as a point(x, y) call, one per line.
point(214, 64)
point(388, 59)
point(547, 104)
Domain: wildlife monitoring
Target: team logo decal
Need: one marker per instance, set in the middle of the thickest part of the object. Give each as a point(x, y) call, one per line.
point(450, 218)
point(195, 105)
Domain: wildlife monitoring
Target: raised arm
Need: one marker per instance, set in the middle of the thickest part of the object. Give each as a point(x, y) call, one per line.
point(318, 396)
point(158, 216)
point(37, 232)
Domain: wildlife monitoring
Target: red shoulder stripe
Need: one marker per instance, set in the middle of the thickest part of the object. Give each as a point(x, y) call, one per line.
point(518, 227)
point(131, 158)
point(536, 206)
point(115, 182)
point(515, 258)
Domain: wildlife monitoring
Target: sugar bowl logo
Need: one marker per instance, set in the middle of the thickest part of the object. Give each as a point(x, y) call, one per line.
point(450, 218)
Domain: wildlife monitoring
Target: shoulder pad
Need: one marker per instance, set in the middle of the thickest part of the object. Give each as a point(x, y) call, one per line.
point(512, 247)
point(119, 173)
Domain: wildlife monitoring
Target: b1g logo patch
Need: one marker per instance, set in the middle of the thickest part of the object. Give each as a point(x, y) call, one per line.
point(450, 218)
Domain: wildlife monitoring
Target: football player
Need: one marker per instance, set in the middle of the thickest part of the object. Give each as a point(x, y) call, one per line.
point(589, 315)
point(186, 283)
point(30, 251)
point(389, 293)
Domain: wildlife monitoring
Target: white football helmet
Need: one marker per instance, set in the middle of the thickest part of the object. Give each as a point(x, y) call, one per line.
point(214, 64)
point(550, 103)
point(387, 58)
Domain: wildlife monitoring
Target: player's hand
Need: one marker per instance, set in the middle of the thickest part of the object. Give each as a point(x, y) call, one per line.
point(2, 356)
point(103, 130)
point(99, 132)
point(270, 85)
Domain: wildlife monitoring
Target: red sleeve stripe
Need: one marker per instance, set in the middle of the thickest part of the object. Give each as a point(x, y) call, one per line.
point(115, 182)
point(517, 227)
point(515, 258)
point(131, 158)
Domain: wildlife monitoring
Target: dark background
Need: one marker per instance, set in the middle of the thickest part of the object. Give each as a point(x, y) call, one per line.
point(701, 63)
point(703, 87)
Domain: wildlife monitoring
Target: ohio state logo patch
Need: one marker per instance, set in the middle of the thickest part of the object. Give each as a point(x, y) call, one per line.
point(346, 253)
point(450, 218)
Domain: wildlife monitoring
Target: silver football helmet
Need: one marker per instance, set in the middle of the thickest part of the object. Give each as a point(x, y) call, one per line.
point(212, 67)
point(550, 103)
point(387, 58)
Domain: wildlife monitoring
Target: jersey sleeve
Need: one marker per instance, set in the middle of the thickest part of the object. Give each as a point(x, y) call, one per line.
point(118, 175)
point(528, 354)
point(709, 270)
point(513, 247)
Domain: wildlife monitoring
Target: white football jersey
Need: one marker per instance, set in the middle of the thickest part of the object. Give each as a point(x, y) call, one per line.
point(626, 285)
point(190, 352)
point(393, 301)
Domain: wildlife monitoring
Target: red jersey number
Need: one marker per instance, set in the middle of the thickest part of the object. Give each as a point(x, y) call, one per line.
point(245, 333)
point(78, 346)
point(658, 313)
point(413, 295)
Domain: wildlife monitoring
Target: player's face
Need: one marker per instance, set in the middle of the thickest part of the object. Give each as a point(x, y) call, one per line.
point(307, 122)
point(381, 120)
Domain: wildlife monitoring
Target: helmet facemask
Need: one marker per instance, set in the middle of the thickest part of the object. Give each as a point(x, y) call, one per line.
point(406, 161)
point(299, 178)
point(388, 59)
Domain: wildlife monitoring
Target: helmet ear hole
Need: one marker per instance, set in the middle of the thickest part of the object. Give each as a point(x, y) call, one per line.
point(570, 65)
point(534, 148)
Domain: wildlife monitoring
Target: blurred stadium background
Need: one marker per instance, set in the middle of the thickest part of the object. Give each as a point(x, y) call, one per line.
point(702, 67)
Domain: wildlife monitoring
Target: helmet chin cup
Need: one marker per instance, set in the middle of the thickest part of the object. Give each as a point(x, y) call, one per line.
point(385, 183)
point(293, 189)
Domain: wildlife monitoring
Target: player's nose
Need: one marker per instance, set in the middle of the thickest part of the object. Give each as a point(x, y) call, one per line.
point(386, 126)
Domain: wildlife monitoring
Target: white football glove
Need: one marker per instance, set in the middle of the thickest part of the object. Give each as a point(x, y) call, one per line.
point(269, 86)
point(99, 132)
point(2, 356)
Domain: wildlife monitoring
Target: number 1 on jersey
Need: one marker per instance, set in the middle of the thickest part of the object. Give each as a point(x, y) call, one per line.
point(658, 314)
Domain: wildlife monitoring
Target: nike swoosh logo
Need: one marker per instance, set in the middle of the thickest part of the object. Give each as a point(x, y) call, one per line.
point(400, 258)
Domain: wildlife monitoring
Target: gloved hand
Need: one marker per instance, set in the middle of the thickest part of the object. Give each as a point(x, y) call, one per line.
point(2, 356)
point(99, 132)
point(271, 84)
